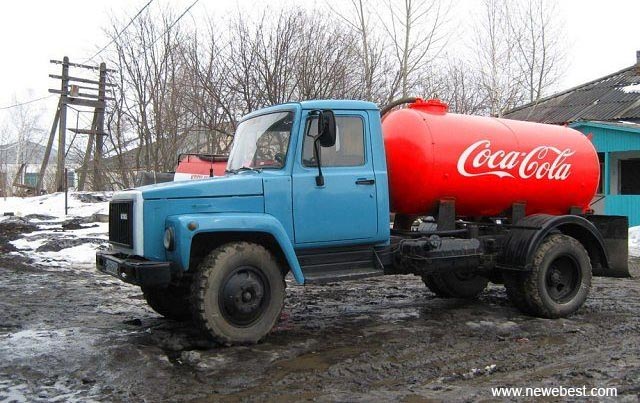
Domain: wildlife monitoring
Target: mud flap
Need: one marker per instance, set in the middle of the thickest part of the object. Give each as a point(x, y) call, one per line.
point(615, 232)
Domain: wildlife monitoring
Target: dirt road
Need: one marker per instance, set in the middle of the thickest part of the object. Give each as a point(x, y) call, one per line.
point(74, 334)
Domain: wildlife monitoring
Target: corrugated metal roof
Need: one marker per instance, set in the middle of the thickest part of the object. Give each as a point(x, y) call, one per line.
point(602, 99)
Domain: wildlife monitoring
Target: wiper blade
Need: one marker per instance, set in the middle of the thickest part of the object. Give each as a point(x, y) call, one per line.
point(243, 168)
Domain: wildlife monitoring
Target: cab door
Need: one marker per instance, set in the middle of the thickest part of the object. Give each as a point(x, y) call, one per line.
point(345, 208)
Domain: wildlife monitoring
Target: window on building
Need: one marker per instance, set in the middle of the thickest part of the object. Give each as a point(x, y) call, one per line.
point(31, 179)
point(630, 176)
point(348, 151)
point(602, 173)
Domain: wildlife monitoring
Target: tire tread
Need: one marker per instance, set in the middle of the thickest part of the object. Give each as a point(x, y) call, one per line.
point(522, 287)
point(201, 281)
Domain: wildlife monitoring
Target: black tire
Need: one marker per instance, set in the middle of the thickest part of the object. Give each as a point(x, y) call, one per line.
point(514, 284)
point(558, 283)
point(455, 285)
point(238, 293)
point(432, 285)
point(171, 302)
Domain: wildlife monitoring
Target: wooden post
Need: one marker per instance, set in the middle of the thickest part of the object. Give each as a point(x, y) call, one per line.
point(87, 155)
point(84, 99)
point(62, 129)
point(66, 192)
point(99, 136)
point(47, 152)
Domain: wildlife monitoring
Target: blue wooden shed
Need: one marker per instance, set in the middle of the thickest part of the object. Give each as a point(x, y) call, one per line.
point(618, 146)
point(608, 110)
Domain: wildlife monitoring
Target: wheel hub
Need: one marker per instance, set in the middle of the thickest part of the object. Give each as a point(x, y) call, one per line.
point(247, 296)
point(563, 279)
point(243, 297)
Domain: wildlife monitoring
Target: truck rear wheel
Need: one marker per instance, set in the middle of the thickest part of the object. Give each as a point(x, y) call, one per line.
point(238, 293)
point(455, 285)
point(558, 283)
point(171, 302)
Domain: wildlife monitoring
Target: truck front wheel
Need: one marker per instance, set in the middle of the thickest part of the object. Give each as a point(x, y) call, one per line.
point(455, 285)
point(238, 293)
point(171, 302)
point(559, 280)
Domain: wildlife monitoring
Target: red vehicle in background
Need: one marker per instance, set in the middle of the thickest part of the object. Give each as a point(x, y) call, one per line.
point(199, 166)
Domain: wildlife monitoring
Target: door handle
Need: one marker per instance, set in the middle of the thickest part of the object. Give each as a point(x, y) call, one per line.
point(365, 181)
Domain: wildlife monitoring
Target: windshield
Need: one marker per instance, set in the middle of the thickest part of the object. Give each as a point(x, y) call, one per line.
point(261, 142)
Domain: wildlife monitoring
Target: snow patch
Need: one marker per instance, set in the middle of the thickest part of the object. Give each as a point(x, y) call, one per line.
point(26, 244)
point(49, 218)
point(35, 342)
point(634, 241)
point(82, 255)
point(631, 88)
point(60, 391)
point(13, 393)
point(53, 205)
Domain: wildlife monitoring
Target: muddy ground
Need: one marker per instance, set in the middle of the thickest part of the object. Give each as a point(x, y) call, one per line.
point(77, 335)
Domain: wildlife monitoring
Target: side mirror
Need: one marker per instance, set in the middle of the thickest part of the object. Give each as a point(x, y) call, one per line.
point(326, 138)
point(326, 128)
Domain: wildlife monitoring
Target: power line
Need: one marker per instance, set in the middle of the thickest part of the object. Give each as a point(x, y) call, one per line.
point(89, 59)
point(119, 33)
point(111, 42)
point(26, 102)
point(175, 22)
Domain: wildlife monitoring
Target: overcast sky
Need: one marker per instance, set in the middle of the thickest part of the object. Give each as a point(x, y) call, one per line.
point(603, 36)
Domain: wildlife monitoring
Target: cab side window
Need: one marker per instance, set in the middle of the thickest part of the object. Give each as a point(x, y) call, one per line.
point(348, 151)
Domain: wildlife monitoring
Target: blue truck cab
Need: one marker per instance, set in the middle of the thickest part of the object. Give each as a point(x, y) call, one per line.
point(269, 197)
point(306, 193)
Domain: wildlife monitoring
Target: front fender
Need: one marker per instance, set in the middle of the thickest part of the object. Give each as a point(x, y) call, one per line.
point(229, 222)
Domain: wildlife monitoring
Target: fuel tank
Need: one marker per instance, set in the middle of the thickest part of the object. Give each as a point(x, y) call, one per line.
point(485, 164)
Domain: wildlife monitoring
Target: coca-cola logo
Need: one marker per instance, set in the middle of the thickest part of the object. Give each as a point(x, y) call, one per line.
point(543, 162)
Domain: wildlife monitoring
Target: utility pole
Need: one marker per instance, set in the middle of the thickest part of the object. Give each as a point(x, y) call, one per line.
point(97, 160)
point(62, 130)
point(47, 152)
point(80, 92)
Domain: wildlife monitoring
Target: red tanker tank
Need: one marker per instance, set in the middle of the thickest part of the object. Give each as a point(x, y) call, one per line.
point(485, 164)
point(200, 166)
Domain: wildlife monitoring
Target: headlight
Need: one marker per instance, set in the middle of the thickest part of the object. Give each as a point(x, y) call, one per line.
point(169, 239)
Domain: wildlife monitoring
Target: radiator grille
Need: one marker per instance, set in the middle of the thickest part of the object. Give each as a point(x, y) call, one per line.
point(121, 222)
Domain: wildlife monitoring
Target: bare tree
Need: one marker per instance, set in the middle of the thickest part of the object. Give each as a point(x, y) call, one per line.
point(20, 137)
point(461, 87)
point(370, 50)
point(537, 33)
point(207, 95)
point(495, 58)
point(147, 121)
point(290, 55)
point(415, 29)
point(326, 63)
point(4, 160)
point(518, 52)
point(174, 85)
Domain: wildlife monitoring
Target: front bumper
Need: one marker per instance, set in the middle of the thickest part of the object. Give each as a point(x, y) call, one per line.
point(134, 270)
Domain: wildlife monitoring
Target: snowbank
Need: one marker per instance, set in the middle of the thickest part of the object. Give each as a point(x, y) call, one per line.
point(55, 244)
point(53, 205)
point(634, 241)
